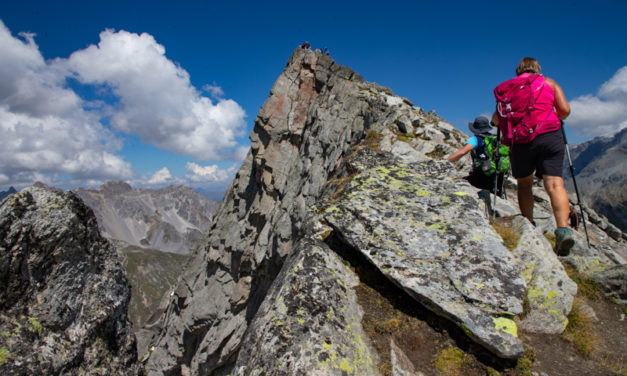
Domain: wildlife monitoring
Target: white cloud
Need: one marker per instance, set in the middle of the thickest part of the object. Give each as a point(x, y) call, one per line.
point(208, 174)
point(241, 152)
point(603, 114)
point(214, 90)
point(51, 134)
point(162, 176)
point(44, 128)
point(157, 100)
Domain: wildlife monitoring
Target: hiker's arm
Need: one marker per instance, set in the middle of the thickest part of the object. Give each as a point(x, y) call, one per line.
point(561, 104)
point(460, 153)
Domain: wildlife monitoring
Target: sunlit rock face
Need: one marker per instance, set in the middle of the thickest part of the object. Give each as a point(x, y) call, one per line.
point(63, 293)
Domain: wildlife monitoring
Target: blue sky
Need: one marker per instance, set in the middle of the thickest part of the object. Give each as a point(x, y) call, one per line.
point(159, 93)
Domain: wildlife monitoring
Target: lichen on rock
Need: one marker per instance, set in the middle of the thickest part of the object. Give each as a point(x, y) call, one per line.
point(415, 224)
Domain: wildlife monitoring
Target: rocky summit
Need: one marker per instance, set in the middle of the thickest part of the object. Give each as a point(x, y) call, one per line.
point(343, 209)
point(64, 295)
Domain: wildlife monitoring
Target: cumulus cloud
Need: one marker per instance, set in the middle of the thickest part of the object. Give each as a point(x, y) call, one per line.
point(156, 99)
point(49, 132)
point(162, 176)
point(44, 127)
point(208, 174)
point(241, 152)
point(602, 114)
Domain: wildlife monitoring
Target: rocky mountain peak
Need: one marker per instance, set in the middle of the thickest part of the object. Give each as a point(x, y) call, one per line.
point(115, 187)
point(172, 219)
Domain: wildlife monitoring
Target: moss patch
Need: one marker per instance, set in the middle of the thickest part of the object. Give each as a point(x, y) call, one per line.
point(452, 362)
point(4, 355)
point(373, 139)
point(35, 326)
point(525, 363)
point(503, 227)
point(586, 286)
point(580, 330)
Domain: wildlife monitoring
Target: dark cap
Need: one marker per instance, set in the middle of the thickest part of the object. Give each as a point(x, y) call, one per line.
point(481, 127)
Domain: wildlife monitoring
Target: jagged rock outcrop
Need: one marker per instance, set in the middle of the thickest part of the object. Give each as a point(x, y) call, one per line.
point(309, 121)
point(63, 292)
point(172, 219)
point(340, 160)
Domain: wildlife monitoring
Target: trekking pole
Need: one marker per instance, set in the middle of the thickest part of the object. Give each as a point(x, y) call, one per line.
point(572, 173)
point(497, 162)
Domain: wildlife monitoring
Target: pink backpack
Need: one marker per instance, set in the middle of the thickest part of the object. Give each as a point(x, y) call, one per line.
point(515, 105)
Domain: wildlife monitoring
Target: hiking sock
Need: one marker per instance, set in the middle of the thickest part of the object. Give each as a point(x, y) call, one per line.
point(564, 241)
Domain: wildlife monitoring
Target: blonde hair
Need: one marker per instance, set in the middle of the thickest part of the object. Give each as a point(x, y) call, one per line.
point(528, 65)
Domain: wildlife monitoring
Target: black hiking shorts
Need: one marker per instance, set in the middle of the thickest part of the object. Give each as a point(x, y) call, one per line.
point(544, 155)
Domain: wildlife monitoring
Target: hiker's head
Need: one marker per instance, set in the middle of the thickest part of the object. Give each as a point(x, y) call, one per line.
point(528, 65)
point(481, 127)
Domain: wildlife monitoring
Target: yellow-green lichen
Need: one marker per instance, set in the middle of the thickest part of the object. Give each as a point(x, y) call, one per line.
point(4, 355)
point(506, 325)
point(35, 325)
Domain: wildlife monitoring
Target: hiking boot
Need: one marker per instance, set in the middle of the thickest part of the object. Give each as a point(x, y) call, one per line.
point(564, 241)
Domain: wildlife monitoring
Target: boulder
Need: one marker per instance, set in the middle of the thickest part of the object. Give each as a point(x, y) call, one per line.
point(63, 293)
point(428, 235)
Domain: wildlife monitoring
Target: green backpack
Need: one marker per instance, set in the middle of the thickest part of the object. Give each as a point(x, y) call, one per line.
point(483, 156)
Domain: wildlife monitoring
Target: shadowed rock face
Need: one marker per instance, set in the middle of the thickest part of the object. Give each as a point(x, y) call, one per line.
point(63, 292)
point(309, 321)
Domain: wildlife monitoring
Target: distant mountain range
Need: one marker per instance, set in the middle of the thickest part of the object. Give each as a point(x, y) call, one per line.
point(171, 219)
point(601, 172)
point(4, 194)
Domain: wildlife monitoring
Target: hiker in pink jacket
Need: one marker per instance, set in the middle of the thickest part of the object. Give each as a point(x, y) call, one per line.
point(544, 154)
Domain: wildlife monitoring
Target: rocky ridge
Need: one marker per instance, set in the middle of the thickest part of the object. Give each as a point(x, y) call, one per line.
point(600, 166)
point(341, 169)
point(344, 180)
point(64, 295)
